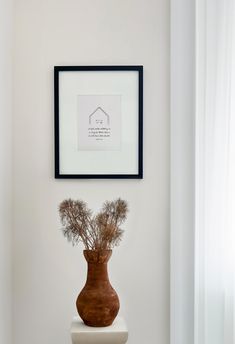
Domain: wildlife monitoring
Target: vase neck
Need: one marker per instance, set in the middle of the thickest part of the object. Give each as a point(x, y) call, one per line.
point(97, 265)
point(97, 272)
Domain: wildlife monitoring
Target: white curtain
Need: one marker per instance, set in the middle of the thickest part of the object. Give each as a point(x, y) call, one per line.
point(215, 173)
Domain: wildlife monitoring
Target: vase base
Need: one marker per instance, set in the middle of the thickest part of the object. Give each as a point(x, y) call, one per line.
point(87, 323)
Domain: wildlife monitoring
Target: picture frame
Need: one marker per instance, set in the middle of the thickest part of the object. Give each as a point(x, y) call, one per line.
point(98, 122)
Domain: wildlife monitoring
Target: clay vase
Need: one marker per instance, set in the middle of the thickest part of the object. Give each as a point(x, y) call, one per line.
point(98, 303)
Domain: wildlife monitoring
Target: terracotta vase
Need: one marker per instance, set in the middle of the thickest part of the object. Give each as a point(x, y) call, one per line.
point(98, 303)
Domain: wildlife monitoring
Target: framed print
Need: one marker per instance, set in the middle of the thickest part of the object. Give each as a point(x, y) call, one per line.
point(98, 121)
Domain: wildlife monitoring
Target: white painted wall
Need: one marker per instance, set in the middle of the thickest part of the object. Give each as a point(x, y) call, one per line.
point(6, 169)
point(48, 272)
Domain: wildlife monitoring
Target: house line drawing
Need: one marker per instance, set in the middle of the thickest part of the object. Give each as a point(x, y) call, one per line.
point(99, 108)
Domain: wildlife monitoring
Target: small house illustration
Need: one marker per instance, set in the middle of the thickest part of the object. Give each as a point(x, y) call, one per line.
point(99, 117)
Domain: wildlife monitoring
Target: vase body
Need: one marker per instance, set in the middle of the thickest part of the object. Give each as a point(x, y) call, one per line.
point(98, 303)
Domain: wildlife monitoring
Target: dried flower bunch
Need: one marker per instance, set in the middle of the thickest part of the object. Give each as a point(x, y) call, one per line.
point(97, 232)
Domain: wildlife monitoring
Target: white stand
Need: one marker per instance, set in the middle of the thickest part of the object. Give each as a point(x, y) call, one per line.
point(117, 333)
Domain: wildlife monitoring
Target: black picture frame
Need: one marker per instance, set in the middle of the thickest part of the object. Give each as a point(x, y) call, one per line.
point(57, 70)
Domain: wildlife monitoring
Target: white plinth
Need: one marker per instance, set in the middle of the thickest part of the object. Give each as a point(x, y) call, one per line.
point(117, 333)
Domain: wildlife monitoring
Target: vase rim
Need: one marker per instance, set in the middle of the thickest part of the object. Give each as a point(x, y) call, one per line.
point(97, 256)
point(105, 250)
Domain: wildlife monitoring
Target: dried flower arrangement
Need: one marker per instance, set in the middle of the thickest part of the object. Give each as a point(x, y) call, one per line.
point(97, 232)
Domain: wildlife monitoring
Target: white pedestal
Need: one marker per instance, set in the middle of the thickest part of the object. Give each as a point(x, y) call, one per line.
point(117, 333)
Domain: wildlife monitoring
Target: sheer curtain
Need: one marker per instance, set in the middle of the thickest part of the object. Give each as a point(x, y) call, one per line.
point(215, 173)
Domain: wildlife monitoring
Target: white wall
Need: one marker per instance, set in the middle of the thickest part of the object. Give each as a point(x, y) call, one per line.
point(48, 272)
point(5, 170)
